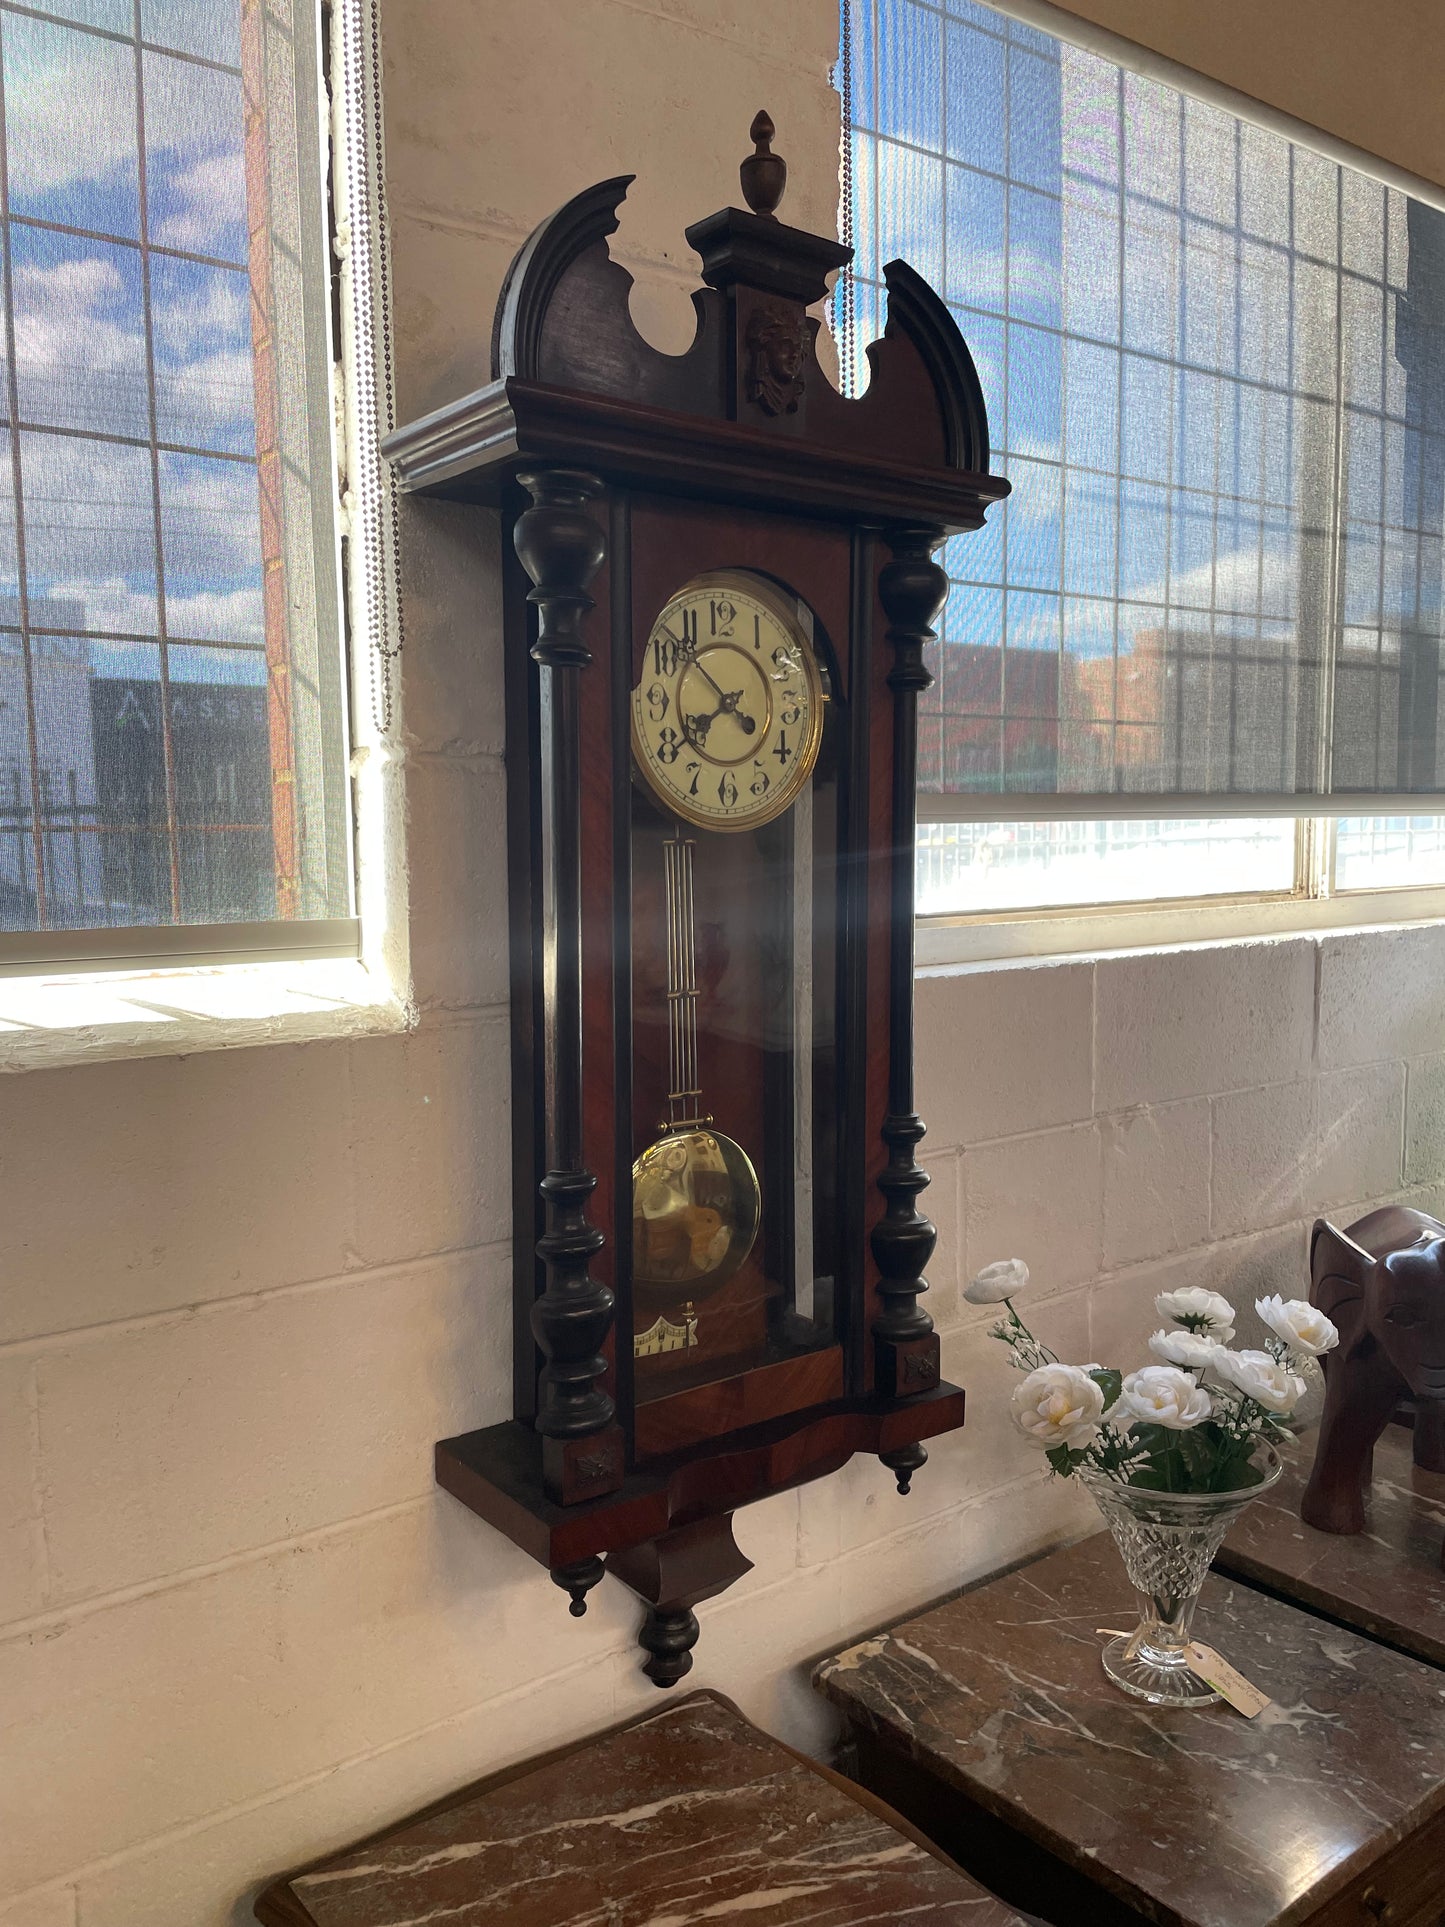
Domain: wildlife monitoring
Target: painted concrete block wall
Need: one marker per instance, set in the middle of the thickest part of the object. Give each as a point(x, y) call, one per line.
point(241, 1293)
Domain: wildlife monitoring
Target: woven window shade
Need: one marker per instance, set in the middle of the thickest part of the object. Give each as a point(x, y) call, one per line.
point(172, 745)
point(1215, 369)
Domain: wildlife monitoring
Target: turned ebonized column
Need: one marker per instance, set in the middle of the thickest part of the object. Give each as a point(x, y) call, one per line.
point(912, 588)
point(562, 547)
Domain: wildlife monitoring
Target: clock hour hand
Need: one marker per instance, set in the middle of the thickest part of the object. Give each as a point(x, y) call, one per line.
point(697, 727)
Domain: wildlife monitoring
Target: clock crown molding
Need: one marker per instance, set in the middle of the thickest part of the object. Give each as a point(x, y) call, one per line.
point(564, 324)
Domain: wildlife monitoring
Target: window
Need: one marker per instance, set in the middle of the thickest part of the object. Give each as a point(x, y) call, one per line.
point(1210, 354)
point(172, 726)
point(969, 868)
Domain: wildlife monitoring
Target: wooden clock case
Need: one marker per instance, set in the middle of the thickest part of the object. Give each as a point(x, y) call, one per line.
point(621, 472)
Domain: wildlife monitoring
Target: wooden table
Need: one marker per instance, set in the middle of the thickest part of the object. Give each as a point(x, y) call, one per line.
point(1386, 1581)
point(689, 1815)
point(990, 1723)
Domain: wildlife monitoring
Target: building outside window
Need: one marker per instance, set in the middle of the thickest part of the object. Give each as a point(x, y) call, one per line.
point(172, 716)
point(1197, 653)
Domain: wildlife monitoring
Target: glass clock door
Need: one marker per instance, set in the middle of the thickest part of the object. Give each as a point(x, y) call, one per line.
point(735, 816)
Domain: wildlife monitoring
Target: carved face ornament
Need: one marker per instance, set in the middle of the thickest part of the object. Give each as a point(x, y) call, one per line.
point(775, 361)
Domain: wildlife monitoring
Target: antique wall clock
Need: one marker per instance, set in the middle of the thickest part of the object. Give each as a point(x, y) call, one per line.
point(720, 584)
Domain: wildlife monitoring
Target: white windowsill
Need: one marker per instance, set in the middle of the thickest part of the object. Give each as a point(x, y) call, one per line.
point(1014, 936)
point(55, 1018)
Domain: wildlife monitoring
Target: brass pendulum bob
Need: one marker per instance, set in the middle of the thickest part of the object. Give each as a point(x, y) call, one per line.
point(696, 1204)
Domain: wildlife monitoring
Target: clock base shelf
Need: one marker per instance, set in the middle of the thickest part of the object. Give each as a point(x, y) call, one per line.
point(676, 1511)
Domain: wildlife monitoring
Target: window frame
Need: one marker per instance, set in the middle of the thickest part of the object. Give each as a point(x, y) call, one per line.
point(93, 1009)
point(1314, 903)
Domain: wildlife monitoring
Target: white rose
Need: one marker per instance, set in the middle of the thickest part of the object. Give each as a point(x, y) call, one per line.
point(1057, 1405)
point(1302, 1327)
point(1275, 1387)
point(1192, 1349)
point(995, 1282)
point(1163, 1395)
point(1198, 1310)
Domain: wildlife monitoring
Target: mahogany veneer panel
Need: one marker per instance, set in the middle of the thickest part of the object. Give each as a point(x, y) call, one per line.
point(1386, 1581)
point(990, 1721)
point(687, 1815)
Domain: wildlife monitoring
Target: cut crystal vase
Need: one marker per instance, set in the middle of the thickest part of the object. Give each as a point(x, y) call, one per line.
point(1167, 1540)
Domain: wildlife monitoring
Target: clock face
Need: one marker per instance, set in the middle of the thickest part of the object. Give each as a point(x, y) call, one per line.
point(728, 715)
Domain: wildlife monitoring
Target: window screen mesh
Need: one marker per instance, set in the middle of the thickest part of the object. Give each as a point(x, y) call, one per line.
point(1215, 370)
point(170, 701)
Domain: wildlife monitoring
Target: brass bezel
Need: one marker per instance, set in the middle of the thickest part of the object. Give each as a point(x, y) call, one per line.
point(783, 609)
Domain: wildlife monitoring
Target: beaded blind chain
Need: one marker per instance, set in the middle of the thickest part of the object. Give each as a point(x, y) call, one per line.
point(380, 522)
point(846, 295)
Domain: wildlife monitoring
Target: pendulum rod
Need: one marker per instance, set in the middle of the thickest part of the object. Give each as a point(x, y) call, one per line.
point(684, 1097)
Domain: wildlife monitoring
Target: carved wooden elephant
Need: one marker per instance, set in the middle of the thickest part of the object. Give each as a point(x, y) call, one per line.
point(1383, 1284)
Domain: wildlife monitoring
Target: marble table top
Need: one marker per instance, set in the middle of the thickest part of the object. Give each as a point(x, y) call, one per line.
point(689, 1815)
point(1194, 1816)
point(1386, 1581)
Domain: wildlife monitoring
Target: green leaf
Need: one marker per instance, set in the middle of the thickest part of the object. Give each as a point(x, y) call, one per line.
point(1148, 1478)
point(1233, 1472)
point(1109, 1382)
point(1062, 1460)
point(1199, 1455)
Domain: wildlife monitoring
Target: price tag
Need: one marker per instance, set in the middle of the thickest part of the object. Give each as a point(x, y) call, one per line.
point(1243, 1697)
point(1216, 1672)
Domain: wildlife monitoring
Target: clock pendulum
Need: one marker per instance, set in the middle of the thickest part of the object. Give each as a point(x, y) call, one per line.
point(696, 1203)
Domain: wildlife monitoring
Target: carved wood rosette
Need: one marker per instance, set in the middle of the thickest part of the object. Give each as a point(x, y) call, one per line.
point(561, 547)
point(912, 588)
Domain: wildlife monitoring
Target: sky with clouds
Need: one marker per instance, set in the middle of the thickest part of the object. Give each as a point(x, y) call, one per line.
point(74, 112)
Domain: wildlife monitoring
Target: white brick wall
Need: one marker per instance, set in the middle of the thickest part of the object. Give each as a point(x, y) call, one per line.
point(244, 1292)
point(1181, 1163)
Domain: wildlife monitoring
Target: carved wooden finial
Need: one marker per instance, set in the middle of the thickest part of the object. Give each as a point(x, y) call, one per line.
point(764, 173)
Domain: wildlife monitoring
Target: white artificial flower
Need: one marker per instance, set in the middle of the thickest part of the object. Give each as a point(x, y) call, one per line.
point(1198, 1310)
point(1192, 1349)
point(1302, 1327)
point(1163, 1395)
point(1005, 1279)
point(1256, 1374)
point(1057, 1405)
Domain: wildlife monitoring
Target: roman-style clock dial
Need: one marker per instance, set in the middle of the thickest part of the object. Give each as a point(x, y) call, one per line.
point(728, 713)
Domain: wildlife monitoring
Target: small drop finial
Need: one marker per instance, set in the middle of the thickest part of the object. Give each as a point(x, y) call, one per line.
point(764, 174)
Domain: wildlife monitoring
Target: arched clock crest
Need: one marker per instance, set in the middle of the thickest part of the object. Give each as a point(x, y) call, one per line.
point(720, 584)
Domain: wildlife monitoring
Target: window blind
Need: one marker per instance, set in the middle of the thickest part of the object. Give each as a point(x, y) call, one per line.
point(172, 724)
point(1214, 360)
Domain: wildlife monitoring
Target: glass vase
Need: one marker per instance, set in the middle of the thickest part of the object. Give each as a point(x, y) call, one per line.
point(1167, 1540)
